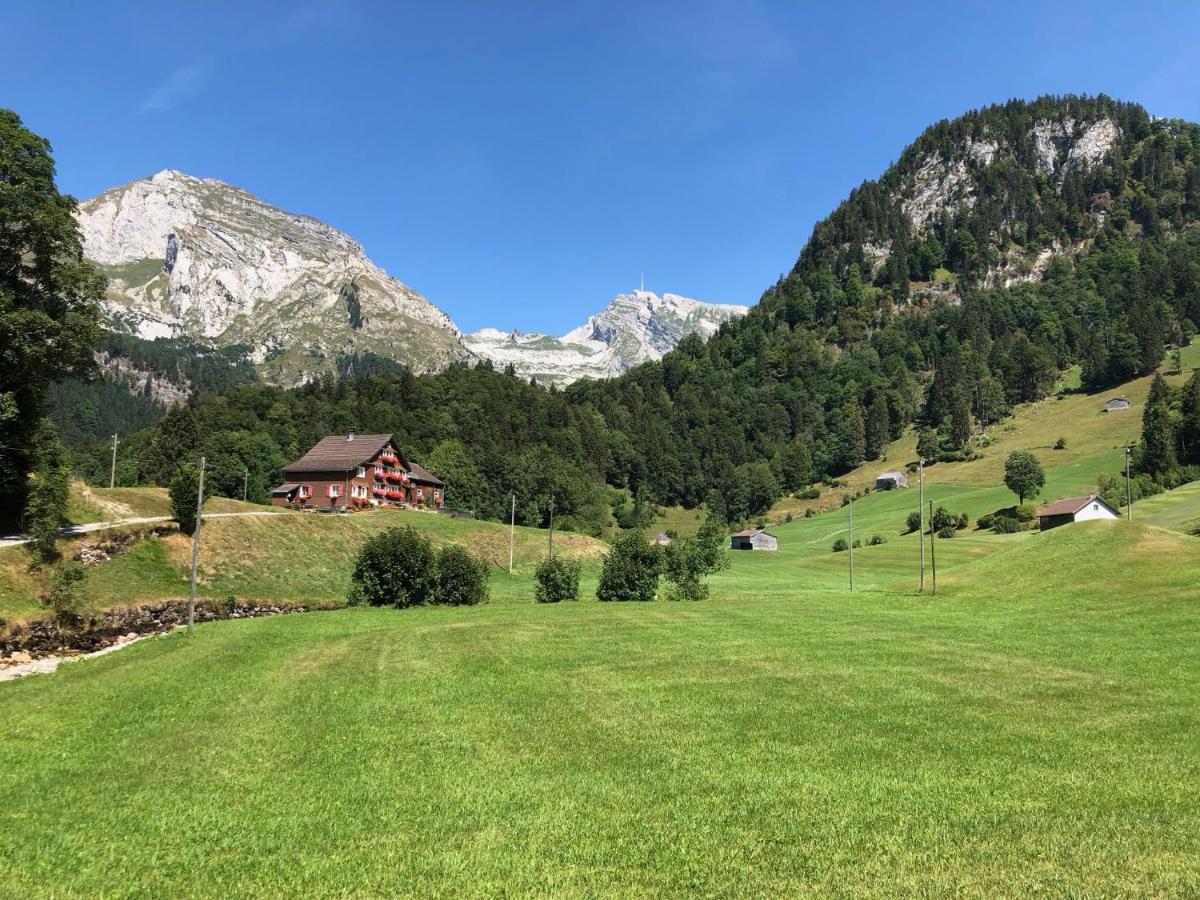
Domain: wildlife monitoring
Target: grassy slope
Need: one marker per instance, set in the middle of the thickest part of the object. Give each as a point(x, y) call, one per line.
point(1094, 439)
point(297, 557)
point(106, 505)
point(1033, 730)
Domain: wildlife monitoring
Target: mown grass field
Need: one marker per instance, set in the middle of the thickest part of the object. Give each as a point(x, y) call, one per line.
point(1033, 730)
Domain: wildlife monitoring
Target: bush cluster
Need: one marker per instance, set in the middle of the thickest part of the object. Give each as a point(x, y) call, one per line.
point(399, 567)
point(840, 546)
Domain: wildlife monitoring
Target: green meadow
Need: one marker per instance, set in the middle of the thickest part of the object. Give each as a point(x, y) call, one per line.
point(1032, 730)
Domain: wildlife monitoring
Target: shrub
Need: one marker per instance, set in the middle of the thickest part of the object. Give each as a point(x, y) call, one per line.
point(876, 540)
point(65, 598)
point(1026, 512)
point(557, 580)
point(840, 545)
point(809, 513)
point(985, 521)
point(461, 579)
point(913, 521)
point(630, 570)
point(942, 518)
point(1060, 444)
point(947, 532)
point(857, 543)
point(788, 517)
point(963, 520)
point(1007, 525)
point(811, 493)
point(688, 562)
point(396, 567)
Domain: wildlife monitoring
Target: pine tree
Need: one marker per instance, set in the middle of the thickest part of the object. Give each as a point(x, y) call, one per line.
point(1189, 422)
point(877, 427)
point(1157, 457)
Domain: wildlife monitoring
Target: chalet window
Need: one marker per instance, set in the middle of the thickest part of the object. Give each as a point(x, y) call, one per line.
point(305, 490)
point(335, 490)
point(362, 471)
point(1095, 507)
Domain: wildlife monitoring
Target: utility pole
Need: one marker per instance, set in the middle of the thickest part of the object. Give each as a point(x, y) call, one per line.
point(196, 548)
point(921, 521)
point(1128, 486)
point(512, 529)
point(850, 510)
point(932, 552)
point(552, 526)
point(112, 474)
point(245, 484)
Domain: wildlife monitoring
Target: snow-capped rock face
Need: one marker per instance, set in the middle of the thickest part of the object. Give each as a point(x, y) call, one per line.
point(201, 258)
point(631, 330)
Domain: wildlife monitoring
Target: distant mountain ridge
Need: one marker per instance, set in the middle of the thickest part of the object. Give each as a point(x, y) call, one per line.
point(198, 258)
point(201, 260)
point(634, 328)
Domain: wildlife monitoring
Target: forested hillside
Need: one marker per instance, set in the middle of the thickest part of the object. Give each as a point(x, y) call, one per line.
point(1001, 248)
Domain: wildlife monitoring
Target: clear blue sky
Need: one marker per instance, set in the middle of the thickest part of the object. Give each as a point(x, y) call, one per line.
point(521, 163)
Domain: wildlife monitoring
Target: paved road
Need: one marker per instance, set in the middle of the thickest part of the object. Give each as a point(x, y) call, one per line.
point(16, 540)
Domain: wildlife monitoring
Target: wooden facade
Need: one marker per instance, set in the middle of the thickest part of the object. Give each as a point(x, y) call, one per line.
point(347, 472)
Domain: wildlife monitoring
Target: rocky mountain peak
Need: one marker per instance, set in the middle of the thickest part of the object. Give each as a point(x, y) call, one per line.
point(201, 258)
point(632, 329)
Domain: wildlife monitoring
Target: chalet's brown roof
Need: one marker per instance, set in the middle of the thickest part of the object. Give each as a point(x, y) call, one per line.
point(417, 473)
point(285, 488)
point(340, 453)
point(1070, 506)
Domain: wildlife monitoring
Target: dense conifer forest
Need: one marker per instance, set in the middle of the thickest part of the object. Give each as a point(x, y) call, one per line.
point(882, 325)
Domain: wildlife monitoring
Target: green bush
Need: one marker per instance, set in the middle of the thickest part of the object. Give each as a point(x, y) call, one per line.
point(396, 567)
point(985, 521)
point(630, 570)
point(462, 580)
point(840, 546)
point(963, 520)
point(876, 540)
point(557, 580)
point(1026, 512)
point(1007, 525)
point(809, 513)
point(943, 518)
point(811, 493)
point(857, 543)
point(1060, 444)
point(913, 521)
point(65, 598)
point(688, 562)
point(948, 532)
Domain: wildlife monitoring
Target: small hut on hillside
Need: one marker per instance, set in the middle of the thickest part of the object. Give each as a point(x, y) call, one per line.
point(1116, 404)
point(661, 539)
point(889, 481)
point(754, 539)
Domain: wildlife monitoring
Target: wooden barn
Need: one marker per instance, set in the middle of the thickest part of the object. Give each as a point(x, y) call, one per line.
point(1116, 404)
point(356, 471)
point(754, 539)
point(1075, 509)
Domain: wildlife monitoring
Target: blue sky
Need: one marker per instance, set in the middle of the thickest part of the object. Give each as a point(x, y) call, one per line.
point(521, 163)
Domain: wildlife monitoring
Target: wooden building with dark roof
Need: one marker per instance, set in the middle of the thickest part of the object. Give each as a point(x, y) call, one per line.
point(356, 471)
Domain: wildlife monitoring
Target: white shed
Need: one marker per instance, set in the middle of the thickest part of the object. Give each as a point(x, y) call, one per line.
point(1075, 509)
